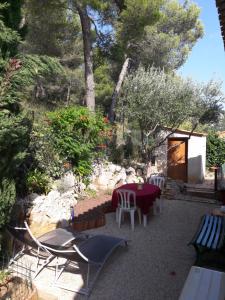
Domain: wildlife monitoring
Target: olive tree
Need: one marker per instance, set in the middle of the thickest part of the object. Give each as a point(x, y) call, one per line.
point(152, 100)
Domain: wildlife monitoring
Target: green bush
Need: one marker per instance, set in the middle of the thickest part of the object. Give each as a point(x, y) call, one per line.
point(76, 134)
point(44, 156)
point(215, 150)
point(7, 199)
point(38, 182)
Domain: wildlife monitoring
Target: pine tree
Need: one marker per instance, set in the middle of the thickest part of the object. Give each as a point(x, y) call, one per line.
point(13, 126)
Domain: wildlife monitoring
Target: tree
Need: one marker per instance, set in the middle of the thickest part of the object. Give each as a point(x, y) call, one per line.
point(12, 125)
point(162, 35)
point(56, 32)
point(168, 42)
point(134, 16)
point(9, 39)
point(153, 99)
point(56, 25)
point(88, 55)
point(86, 9)
point(12, 27)
point(53, 31)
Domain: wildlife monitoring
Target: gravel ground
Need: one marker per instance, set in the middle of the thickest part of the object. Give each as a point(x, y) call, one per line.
point(156, 262)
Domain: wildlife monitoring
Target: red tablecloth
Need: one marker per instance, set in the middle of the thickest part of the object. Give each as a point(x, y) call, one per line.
point(144, 197)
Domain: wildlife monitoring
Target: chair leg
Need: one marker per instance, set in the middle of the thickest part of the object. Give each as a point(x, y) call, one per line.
point(139, 215)
point(132, 218)
point(117, 215)
point(120, 216)
point(145, 220)
point(156, 208)
point(160, 205)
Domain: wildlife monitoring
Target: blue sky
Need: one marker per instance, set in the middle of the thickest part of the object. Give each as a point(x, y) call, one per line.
point(207, 59)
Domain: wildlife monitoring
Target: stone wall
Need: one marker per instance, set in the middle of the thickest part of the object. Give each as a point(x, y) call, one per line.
point(107, 175)
point(53, 209)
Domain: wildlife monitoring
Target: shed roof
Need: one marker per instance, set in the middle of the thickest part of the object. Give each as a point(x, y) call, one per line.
point(221, 11)
point(186, 132)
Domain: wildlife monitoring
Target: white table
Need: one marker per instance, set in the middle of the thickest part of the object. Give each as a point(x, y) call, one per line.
point(204, 284)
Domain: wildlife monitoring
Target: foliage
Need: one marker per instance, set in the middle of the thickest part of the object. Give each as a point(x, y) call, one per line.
point(38, 182)
point(220, 125)
point(76, 133)
point(104, 86)
point(215, 150)
point(9, 36)
point(20, 76)
point(53, 29)
point(14, 139)
point(163, 34)
point(168, 42)
point(91, 193)
point(153, 99)
point(7, 199)
point(4, 276)
point(14, 127)
point(133, 19)
point(42, 151)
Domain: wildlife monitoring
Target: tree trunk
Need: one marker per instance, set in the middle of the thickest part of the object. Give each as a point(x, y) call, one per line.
point(88, 56)
point(68, 93)
point(117, 89)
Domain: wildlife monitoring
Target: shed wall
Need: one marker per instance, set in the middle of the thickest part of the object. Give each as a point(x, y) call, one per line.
point(196, 157)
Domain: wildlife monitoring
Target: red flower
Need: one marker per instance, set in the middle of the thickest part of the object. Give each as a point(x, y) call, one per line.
point(103, 146)
point(15, 64)
point(105, 120)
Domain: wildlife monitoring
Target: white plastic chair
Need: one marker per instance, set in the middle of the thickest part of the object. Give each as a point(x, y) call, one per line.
point(160, 182)
point(127, 203)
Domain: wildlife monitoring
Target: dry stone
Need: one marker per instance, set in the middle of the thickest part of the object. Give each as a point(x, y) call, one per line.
point(55, 208)
point(130, 171)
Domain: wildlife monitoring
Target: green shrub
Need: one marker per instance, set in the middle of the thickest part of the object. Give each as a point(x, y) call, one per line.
point(215, 150)
point(7, 199)
point(76, 133)
point(38, 182)
point(4, 275)
point(44, 156)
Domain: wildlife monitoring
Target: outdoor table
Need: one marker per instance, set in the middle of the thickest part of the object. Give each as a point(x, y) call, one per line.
point(144, 196)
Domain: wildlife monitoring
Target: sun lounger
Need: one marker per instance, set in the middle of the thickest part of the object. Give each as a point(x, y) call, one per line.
point(93, 252)
point(74, 248)
point(36, 246)
point(209, 241)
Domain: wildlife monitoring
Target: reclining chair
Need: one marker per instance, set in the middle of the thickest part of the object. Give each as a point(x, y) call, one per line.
point(75, 248)
point(36, 246)
point(93, 252)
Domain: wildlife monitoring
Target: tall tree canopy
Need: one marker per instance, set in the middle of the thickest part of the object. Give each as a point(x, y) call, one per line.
point(168, 43)
point(123, 33)
point(163, 36)
point(53, 30)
